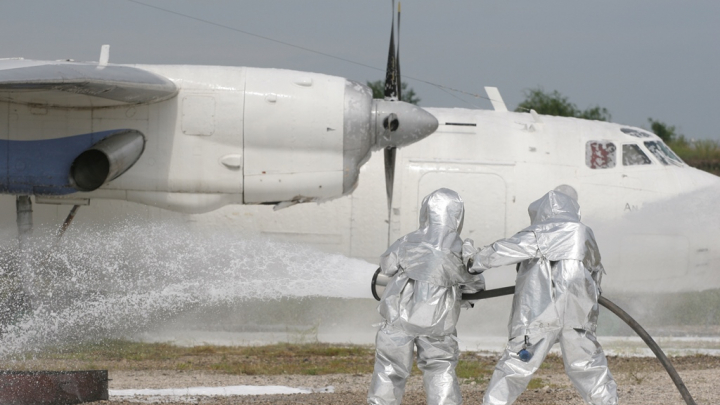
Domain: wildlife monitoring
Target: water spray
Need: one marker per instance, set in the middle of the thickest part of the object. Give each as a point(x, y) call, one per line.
point(380, 281)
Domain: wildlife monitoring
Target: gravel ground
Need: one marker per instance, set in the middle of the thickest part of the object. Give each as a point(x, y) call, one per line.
point(638, 384)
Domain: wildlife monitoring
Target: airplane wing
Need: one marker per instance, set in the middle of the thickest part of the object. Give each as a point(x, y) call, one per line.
point(80, 84)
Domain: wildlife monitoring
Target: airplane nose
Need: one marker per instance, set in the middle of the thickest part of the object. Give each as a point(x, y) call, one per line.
point(398, 123)
point(694, 179)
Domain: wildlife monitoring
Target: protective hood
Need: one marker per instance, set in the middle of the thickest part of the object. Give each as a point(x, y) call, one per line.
point(554, 206)
point(433, 253)
point(442, 212)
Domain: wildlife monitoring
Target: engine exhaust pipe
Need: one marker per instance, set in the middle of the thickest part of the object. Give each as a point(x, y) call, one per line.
point(106, 160)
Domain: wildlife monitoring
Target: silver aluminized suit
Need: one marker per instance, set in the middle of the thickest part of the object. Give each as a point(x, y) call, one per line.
point(421, 305)
point(556, 300)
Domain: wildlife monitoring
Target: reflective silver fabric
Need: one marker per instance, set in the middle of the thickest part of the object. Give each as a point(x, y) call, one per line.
point(558, 281)
point(437, 357)
point(585, 364)
point(556, 299)
point(424, 297)
point(421, 304)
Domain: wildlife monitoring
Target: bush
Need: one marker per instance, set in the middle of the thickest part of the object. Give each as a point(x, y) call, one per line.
point(702, 154)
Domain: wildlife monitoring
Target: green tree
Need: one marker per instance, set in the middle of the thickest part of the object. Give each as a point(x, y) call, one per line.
point(664, 131)
point(703, 154)
point(407, 95)
point(556, 104)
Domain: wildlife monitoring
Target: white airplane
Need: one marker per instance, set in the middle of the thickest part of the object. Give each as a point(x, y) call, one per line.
point(244, 142)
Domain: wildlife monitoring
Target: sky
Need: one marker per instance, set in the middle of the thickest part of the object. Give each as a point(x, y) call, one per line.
point(639, 59)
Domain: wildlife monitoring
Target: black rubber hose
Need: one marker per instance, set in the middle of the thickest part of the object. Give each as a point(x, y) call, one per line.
point(498, 292)
point(632, 323)
point(652, 345)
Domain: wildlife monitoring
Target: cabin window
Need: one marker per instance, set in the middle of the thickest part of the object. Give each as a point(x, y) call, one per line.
point(600, 154)
point(662, 153)
point(632, 155)
point(636, 133)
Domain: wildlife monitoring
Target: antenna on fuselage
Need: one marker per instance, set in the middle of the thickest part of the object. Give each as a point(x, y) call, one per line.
point(496, 99)
point(104, 56)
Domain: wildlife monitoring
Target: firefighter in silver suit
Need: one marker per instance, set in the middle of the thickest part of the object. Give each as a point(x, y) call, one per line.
point(421, 305)
point(556, 300)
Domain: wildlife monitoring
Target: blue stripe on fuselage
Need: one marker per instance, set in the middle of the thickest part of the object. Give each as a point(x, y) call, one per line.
point(43, 166)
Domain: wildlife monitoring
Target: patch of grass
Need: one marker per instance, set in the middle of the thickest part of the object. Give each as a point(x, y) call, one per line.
point(553, 362)
point(114, 350)
point(536, 384)
point(472, 366)
point(284, 358)
point(205, 349)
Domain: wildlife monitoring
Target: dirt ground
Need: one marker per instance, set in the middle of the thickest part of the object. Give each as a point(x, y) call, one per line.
point(640, 381)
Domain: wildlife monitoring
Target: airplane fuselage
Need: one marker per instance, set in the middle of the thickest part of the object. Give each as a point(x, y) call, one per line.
point(235, 136)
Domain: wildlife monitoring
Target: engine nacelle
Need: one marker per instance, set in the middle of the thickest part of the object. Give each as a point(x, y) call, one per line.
point(106, 160)
point(306, 135)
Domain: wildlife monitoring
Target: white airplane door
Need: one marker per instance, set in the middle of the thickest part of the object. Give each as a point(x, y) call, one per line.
point(484, 195)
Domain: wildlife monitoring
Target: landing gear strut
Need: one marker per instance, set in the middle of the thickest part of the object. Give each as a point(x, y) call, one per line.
point(23, 204)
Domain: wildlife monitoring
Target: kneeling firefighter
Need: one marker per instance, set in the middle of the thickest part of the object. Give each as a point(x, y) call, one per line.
point(556, 300)
point(421, 305)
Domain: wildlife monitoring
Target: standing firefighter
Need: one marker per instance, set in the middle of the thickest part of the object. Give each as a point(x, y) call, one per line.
point(556, 300)
point(421, 305)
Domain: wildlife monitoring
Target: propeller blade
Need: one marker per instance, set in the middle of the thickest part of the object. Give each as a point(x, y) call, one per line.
point(391, 124)
point(397, 59)
point(389, 174)
point(390, 72)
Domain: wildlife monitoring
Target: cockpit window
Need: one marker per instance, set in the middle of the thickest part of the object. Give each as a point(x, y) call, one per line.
point(632, 155)
point(636, 133)
point(664, 154)
point(600, 154)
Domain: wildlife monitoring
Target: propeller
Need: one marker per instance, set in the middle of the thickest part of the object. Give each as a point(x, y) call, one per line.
point(397, 123)
point(392, 92)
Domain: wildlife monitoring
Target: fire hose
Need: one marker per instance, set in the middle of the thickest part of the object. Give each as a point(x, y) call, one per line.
point(380, 280)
